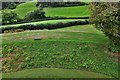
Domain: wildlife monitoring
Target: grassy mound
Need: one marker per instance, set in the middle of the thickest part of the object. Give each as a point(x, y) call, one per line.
point(53, 73)
point(25, 8)
point(77, 47)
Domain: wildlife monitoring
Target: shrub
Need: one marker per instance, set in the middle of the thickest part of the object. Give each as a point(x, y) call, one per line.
point(60, 4)
point(37, 14)
point(105, 16)
point(9, 17)
point(10, 5)
point(43, 26)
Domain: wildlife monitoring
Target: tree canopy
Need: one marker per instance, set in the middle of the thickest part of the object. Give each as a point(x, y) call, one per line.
point(105, 16)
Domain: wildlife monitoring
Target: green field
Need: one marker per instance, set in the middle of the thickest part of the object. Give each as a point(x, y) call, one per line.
point(77, 47)
point(76, 11)
point(25, 8)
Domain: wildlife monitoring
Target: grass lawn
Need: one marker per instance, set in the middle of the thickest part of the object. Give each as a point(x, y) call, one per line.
point(25, 8)
point(75, 11)
point(77, 47)
point(54, 73)
point(76, 33)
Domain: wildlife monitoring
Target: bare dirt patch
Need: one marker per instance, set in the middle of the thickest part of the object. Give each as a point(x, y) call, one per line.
point(113, 54)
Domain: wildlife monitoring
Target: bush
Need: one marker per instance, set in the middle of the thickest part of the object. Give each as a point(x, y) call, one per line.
point(105, 16)
point(37, 14)
point(9, 17)
point(10, 5)
point(60, 4)
point(49, 18)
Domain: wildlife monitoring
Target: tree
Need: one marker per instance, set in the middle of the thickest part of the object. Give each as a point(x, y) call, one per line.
point(10, 5)
point(105, 16)
point(60, 4)
point(9, 17)
point(37, 14)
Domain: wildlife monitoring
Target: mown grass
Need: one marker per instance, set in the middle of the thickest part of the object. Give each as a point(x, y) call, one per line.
point(77, 33)
point(23, 9)
point(75, 11)
point(53, 73)
point(78, 47)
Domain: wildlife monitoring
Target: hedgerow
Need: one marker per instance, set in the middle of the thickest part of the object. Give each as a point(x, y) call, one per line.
point(9, 17)
point(105, 16)
point(43, 26)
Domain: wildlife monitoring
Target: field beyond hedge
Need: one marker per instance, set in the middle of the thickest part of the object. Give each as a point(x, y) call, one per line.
point(76, 11)
point(25, 8)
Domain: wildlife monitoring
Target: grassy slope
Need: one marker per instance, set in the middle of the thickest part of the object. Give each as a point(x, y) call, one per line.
point(76, 11)
point(77, 33)
point(25, 8)
point(78, 47)
point(54, 73)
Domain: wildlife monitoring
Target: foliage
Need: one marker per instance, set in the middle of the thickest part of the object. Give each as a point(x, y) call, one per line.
point(9, 17)
point(11, 53)
point(58, 54)
point(105, 16)
point(44, 26)
point(37, 14)
point(57, 18)
point(44, 21)
point(10, 5)
point(60, 4)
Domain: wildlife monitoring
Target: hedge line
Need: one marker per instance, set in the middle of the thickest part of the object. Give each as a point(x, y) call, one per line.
point(105, 16)
point(43, 26)
point(61, 4)
point(50, 18)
